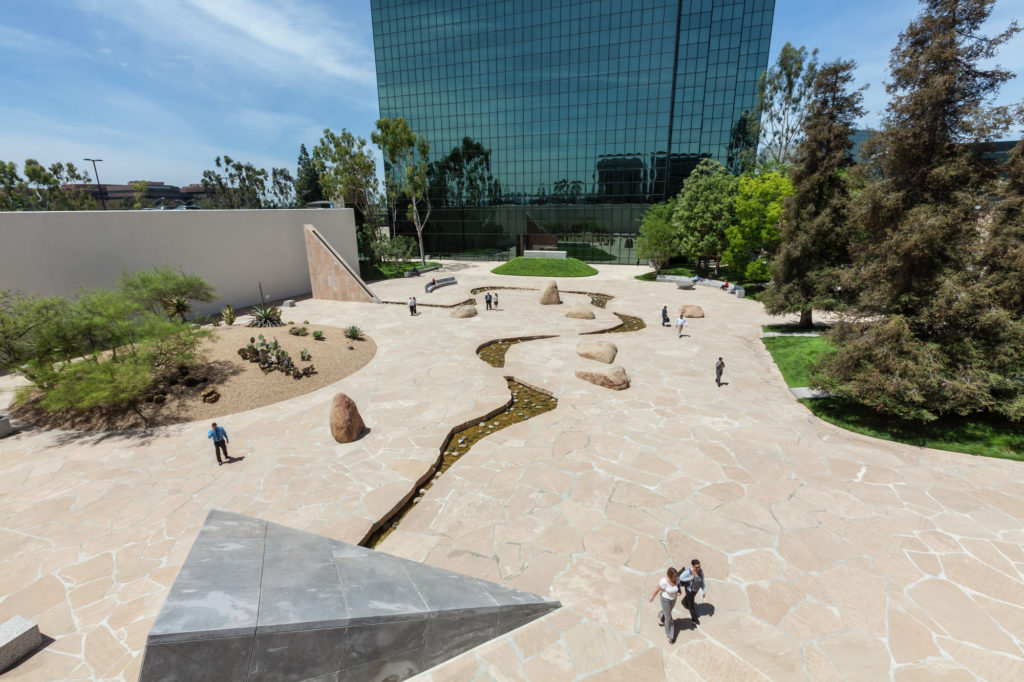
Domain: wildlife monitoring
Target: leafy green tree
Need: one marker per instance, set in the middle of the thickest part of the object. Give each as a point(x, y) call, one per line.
point(816, 230)
point(151, 289)
point(782, 94)
point(234, 184)
point(417, 186)
point(140, 194)
point(755, 236)
point(929, 335)
point(658, 241)
point(705, 207)
point(43, 188)
point(282, 189)
point(307, 180)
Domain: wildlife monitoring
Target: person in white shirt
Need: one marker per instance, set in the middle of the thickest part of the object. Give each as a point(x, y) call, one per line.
point(681, 325)
point(669, 589)
point(693, 579)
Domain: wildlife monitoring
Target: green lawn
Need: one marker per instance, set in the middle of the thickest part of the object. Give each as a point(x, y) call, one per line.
point(584, 252)
point(681, 270)
point(545, 267)
point(372, 273)
point(975, 435)
point(795, 355)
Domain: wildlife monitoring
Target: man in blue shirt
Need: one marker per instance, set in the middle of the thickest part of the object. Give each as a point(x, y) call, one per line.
point(693, 579)
point(220, 442)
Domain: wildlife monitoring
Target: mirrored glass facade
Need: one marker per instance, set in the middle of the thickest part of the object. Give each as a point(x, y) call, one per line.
point(564, 117)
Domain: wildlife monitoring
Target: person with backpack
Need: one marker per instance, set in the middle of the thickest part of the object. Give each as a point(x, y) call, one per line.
point(692, 579)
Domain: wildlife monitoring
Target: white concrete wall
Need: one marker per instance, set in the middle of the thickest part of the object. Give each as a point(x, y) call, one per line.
point(60, 252)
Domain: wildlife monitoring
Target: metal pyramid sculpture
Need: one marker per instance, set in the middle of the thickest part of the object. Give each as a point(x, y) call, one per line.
point(259, 601)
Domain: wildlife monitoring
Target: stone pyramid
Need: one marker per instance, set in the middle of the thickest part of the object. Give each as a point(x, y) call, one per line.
point(259, 601)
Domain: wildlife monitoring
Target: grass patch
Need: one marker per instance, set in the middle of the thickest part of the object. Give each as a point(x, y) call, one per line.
point(985, 435)
point(371, 273)
point(681, 270)
point(545, 267)
point(584, 252)
point(795, 355)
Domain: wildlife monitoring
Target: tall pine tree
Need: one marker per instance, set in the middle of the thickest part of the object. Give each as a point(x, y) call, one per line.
point(815, 233)
point(928, 337)
point(307, 180)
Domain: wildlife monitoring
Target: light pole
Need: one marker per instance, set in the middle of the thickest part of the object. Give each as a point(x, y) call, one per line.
point(99, 188)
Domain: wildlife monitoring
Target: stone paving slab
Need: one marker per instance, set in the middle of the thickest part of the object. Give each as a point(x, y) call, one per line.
point(828, 554)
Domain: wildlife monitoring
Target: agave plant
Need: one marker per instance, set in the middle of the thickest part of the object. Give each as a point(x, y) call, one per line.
point(177, 306)
point(353, 332)
point(227, 314)
point(265, 316)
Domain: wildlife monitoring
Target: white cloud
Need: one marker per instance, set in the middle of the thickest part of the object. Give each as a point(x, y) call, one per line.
point(256, 39)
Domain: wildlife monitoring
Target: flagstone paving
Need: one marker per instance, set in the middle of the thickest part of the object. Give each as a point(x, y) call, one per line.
point(829, 555)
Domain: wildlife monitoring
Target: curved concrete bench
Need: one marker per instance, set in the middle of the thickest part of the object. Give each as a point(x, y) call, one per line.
point(443, 282)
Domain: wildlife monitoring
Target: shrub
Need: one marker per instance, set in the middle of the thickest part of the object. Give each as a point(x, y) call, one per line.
point(271, 357)
point(353, 332)
point(304, 354)
point(265, 316)
point(227, 314)
point(153, 288)
point(318, 335)
point(298, 331)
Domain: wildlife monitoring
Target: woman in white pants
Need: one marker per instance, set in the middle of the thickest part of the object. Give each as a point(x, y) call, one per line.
point(669, 588)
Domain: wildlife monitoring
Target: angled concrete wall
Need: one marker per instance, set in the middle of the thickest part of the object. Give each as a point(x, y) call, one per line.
point(59, 252)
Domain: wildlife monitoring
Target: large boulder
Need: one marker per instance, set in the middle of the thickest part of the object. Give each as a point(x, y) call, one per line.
point(691, 311)
point(550, 295)
point(463, 311)
point(346, 424)
point(602, 351)
point(580, 313)
point(613, 377)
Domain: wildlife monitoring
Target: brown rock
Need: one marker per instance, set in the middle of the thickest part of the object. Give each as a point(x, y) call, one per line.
point(613, 377)
point(580, 313)
point(691, 311)
point(464, 311)
point(602, 351)
point(550, 295)
point(346, 424)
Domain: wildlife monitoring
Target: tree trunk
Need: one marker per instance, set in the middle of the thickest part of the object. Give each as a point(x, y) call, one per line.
point(805, 318)
point(419, 235)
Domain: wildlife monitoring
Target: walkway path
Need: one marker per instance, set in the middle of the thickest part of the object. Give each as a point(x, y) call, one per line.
point(829, 555)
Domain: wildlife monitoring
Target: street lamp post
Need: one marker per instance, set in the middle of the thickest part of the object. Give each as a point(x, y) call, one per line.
point(99, 188)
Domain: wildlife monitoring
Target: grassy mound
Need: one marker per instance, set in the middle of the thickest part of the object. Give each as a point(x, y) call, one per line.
point(545, 267)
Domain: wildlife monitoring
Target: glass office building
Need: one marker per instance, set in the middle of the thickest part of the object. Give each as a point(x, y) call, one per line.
point(564, 119)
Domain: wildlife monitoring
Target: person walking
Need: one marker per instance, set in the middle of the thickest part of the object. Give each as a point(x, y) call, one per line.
point(412, 305)
point(487, 300)
point(665, 322)
point(495, 301)
point(693, 580)
point(719, 368)
point(220, 442)
point(669, 588)
point(415, 311)
point(681, 325)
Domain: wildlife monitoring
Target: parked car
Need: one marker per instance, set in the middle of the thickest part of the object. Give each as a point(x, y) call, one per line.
point(320, 204)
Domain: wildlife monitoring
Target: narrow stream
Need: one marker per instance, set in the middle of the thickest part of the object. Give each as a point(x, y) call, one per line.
point(629, 324)
point(493, 352)
point(525, 402)
point(598, 300)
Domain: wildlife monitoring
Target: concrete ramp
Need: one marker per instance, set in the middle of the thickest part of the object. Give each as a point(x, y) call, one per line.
point(330, 276)
point(259, 601)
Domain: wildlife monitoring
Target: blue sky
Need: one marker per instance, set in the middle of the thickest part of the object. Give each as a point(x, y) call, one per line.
point(158, 88)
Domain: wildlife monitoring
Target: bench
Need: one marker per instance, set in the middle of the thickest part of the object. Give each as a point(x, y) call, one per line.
point(443, 282)
point(734, 289)
point(681, 282)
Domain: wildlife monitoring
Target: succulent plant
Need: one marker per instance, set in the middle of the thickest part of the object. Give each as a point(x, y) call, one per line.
point(265, 316)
